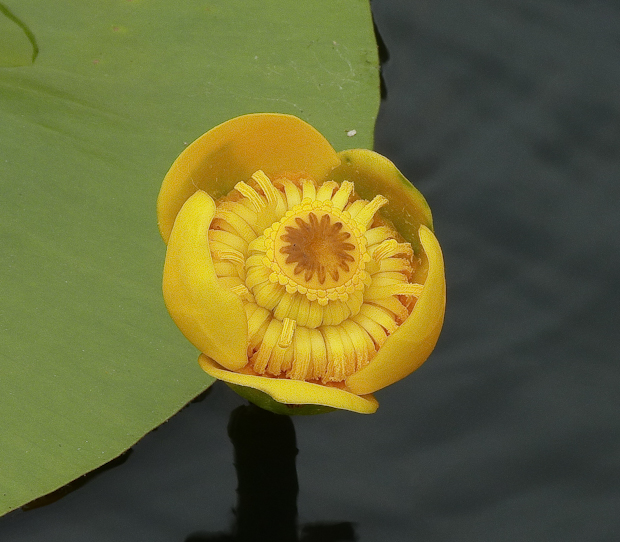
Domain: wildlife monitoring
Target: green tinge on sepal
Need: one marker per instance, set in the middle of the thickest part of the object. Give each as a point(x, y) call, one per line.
point(265, 401)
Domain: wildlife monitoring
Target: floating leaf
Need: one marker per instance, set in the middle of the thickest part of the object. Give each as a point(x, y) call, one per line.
point(89, 359)
point(17, 44)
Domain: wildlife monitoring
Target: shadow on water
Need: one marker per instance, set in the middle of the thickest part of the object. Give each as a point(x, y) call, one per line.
point(384, 56)
point(267, 488)
point(54, 496)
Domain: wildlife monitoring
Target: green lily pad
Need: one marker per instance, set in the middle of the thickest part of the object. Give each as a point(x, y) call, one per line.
point(18, 46)
point(89, 359)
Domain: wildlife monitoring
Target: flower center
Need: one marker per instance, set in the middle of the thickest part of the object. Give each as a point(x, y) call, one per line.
point(324, 280)
point(318, 251)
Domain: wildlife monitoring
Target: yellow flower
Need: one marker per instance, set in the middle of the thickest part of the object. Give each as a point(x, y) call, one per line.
point(303, 275)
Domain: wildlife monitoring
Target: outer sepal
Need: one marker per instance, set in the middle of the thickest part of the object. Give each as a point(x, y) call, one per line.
point(234, 150)
point(211, 317)
point(411, 344)
point(266, 402)
point(291, 392)
point(374, 174)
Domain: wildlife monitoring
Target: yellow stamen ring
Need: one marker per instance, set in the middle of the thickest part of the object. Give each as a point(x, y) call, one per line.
point(324, 281)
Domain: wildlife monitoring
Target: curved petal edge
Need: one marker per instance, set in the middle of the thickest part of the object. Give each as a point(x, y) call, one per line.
point(373, 174)
point(412, 343)
point(234, 150)
point(211, 317)
point(293, 392)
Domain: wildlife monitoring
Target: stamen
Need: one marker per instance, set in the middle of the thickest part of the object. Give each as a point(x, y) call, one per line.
point(335, 355)
point(383, 278)
point(270, 191)
point(323, 279)
point(289, 306)
point(302, 354)
point(350, 355)
point(256, 320)
point(356, 207)
point(334, 313)
point(257, 201)
point(378, 235)
point(381, 292)
point(315, 315)
point(354, 298)
point(256, 339)
point(292, 192)
point(270, 341)
point(250, 309)
point(400, 249)
point(386, 249)
point(396, 264)
point(229, 282)
point(287, 362)
point(229, 255)
point(237, 207)
point(283, 308)
point(288, 329)
point(308, 190)
point(381, 316)
point(365, 216)
point(364, 345)
point(393, 305)
point(376, 332)
point(341, 197)
point(242, 291)
point(226, 269)
point(276, 360)
point(268, 295)
point(319, 354)
point(255, 276)
point(326, 190)
point(228, 239)
point(303, 312)
point(239, 225)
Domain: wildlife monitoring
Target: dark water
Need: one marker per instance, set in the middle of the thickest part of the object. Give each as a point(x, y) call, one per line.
point(506, 115)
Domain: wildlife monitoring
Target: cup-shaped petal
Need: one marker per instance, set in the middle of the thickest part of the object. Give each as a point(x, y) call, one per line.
point(293, 392)
point(411, 344)
point(234, 150)
point(211, 317)
point(374, 174)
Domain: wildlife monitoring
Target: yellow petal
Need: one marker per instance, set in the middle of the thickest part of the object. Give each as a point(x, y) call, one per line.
point(374, 174)
point(234, 150)
point(211, 317)
point(293, 392)
point(411, 344)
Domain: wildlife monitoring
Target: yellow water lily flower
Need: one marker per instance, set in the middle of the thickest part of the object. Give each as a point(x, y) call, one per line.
point(308, 279)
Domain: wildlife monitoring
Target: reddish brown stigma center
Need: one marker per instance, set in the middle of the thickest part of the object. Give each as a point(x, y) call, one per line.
point(317, 247)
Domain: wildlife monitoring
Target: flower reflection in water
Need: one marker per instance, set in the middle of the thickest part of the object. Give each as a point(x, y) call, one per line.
point(265, 452)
